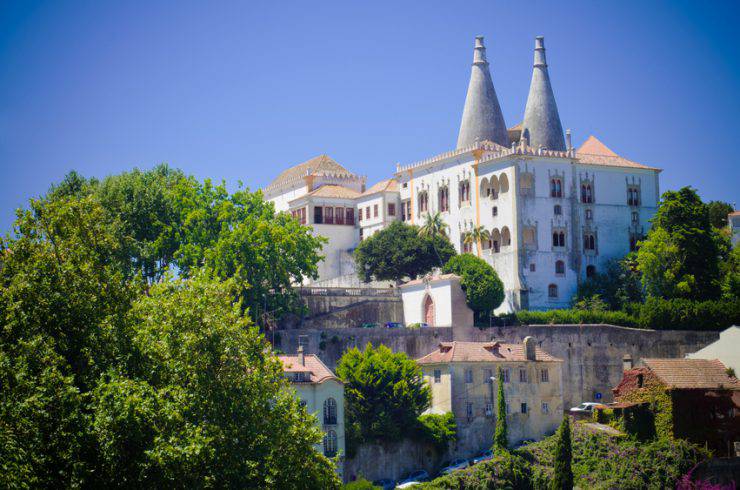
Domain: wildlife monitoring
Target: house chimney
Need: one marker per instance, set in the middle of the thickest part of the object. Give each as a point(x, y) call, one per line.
point(301, 357)
point(626, 362)
point(529, 349)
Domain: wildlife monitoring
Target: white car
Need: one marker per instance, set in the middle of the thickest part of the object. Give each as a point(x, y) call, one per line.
point(484, 456)
point(587, 407)
point(414, 478)
point(454, 465)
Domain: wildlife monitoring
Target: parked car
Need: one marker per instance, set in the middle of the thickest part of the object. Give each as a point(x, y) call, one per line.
point(413, 479)
point(393, 325)
point(586, 407)
point(454, 465)
point(484, 456)
point(369, 325)
point(385, 484)
point(423, 325)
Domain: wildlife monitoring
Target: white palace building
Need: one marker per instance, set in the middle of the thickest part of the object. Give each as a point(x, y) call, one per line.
point(556, 213)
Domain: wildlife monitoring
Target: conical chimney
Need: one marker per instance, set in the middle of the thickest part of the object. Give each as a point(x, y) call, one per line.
point(482, 118)
point(541, 126)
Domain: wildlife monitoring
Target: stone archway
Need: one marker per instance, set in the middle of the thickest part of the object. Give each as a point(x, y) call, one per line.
point(428, 316)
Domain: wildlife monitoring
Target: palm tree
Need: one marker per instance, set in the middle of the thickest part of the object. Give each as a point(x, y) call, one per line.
point(433, 227)
point(477, 235)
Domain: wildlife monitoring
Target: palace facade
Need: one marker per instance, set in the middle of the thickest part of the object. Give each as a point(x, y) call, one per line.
point(556, 214)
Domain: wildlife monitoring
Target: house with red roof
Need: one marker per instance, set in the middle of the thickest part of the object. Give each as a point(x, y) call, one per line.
point(462, 377)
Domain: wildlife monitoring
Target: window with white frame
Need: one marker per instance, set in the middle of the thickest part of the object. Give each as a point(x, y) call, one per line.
point(545, 407)
point(468, 375)
point(437, 375)
point(545, 376)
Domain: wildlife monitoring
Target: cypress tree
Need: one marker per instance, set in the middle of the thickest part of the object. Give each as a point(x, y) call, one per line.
point(500, 436)
point(563, 478)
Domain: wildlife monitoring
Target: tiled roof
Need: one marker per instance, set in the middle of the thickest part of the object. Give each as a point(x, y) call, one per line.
point(332, 190)
point(480, 352)
point(312, 364)
point(691, 373)
point(320, 165)
point(594, 152)
point(734, 213)
point(441, 277)
point(388, 185)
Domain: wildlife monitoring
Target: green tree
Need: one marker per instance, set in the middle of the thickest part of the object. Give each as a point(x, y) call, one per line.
point(718, 211)
point(500, 436)
point(475, 236)
point(617, 286)
point(682, 252)
point(434, 226)
point(384, 393)
point(205, 404)
point(399, 252)
point(563, 454)
point(484, 291)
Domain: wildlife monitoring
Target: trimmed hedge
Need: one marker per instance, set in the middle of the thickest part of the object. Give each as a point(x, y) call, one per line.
point(655, 313)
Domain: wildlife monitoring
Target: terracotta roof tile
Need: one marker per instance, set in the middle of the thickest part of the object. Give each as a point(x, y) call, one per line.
point(320, 165)
point(594, 152)
point(332, 190)
point(480, 352)
point(691, 373)
point(388, 185)
point(319, 371)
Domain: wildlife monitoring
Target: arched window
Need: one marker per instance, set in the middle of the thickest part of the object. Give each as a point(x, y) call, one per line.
point(556, 188)
point(485, 189)
point(494, 185)
point(557, 210)
point(330, 411)
point(505, 236)
point(587, 195)
point(529, 235)
point(330, 444)
point(589, 241)
point(552, 291)
point(590, 270)
point(464, 192)
point(444, 199)
point(503, 184)
point(558, 238)
point(496, 240)
point(423, 202)
point(559, 267)
point(428, 311)
point(526, 184)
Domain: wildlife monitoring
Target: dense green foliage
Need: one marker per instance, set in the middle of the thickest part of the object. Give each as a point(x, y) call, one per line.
point(563, 454)
point(599, 462)
point(681, 255)
point(617, 286)
point(400, 252)
point(384, 394)
point(500, 436)
point(359, 484)
point(438, 430)
point(484, 291)
point(504, 471)
point(718, 212)
point(655, 313)
point(604, 462)
point(114, 374)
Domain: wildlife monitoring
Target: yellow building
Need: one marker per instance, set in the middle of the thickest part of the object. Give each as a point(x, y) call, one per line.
point(462, 380)
point(322, 393)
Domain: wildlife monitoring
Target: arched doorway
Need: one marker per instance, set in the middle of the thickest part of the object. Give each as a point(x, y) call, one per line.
point(429, 311)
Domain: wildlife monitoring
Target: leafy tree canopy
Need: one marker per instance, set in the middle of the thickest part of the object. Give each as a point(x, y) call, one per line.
point(617, 286)
point(399, 252)
point(682, 253)
point(112, 379)
point(384, 394)
point(718, 211)
point(484, 291)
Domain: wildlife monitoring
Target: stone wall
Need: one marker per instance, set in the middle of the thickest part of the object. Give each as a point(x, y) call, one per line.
point(347, 307)
point(394, 460)
point(592, 354)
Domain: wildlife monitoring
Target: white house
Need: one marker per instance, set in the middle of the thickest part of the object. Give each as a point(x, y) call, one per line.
point(556, 214)
point(438, 301)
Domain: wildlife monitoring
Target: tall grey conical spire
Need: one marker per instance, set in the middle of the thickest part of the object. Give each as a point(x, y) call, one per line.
point(482, 118)
point(541, 126)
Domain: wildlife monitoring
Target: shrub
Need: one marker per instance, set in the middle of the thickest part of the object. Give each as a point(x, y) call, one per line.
point(683, 314)
point(563, 454)
point(438, 430)
point(576, 317)
point(359, 484)
point(484, 291)
point(505, 470)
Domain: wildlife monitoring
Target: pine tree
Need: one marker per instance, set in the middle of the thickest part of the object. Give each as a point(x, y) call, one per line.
point(563, 478)
point(500, 437)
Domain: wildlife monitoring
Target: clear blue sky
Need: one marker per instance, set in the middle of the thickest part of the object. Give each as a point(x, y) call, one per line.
point(241, 90)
